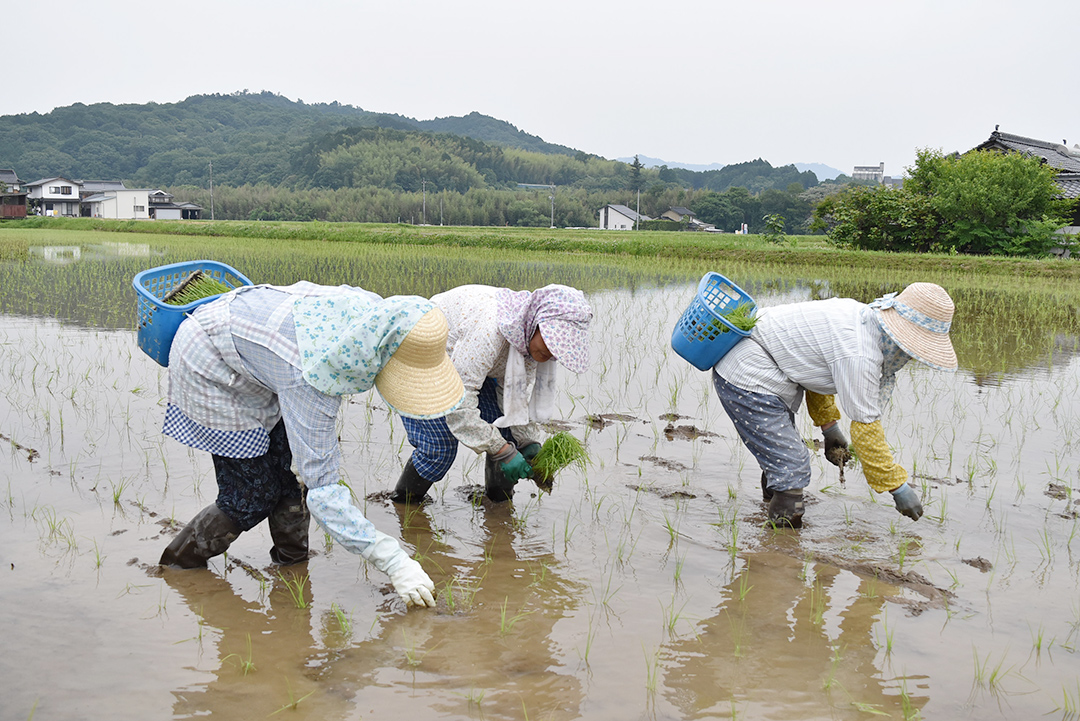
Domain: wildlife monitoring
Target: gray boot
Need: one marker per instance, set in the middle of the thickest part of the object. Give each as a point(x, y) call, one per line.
point(208, 534)
point(786, 508)
point(766, 494)
point(411, 486)
point(289, 523)
point(496, 486)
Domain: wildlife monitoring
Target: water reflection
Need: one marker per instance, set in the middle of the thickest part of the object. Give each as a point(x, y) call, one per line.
point(786, 633)
point(492, 646)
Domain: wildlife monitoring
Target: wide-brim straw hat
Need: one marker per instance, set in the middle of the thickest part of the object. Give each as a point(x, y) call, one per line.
point(419, 381)
point(919, 319)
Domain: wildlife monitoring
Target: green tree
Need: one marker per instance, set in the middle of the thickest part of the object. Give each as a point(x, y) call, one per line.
point(980, 203)
point(635, 174)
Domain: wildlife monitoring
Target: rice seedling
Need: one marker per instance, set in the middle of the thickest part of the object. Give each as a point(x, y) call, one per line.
point(293, 702)
point(507, 622)
point(195, 287)
point(246, 665)
point(295, 584)
point(557, 452)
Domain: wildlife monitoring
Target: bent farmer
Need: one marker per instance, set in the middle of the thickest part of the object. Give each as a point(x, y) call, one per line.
point(256, 378)
point(836, 347)
point(505, 345)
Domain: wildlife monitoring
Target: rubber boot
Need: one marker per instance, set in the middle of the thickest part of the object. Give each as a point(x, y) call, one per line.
point(411, 486)
point(786, 508)
point(496, 486)
point(208, 534)
point(289, 523)
point(766, 494)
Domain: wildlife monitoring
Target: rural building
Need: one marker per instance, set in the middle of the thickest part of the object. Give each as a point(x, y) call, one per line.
point(118, 205)
point(869, 172)
point(677, 213)
point(93, 187)
point(12, 196)
point(55, 196)
point(10, 181)
point(1060, 156)
point(619, 217)
point(162, 207)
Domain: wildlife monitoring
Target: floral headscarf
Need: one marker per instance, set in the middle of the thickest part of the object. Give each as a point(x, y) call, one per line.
point(345, 340)
point(561, 313)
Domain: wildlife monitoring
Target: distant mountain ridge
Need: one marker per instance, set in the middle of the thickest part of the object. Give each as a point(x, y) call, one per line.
point(252, 139)
point(822, 171)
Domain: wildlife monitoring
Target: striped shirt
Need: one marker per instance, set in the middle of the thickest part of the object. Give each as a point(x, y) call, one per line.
point(234, 371)
point(831, 347)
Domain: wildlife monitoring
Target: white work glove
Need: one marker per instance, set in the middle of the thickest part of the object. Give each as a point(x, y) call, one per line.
point(331, 507)
point(411, 583)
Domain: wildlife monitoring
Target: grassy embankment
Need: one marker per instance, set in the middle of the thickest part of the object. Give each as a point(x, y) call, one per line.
point(807, 251)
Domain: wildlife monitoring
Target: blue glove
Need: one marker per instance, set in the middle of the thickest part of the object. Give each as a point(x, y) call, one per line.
point(907, 501)
point(516, 468)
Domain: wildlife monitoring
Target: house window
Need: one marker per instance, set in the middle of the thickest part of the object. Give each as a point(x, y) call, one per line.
point(140, 208)
point(55, 190)
point(48, 206)
point(66, 190)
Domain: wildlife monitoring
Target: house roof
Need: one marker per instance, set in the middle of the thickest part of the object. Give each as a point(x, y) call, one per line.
point(1053, 154)
point(97, 198)
point(681, 210)
point(96, 186)
point(9, 177)
point(43, 181)
point(1069, 184)
point(632, 215)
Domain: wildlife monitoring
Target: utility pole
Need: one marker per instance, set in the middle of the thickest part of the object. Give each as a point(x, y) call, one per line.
point(423, 217)
point(552, 198)
point(211, 190)
point(638, 211)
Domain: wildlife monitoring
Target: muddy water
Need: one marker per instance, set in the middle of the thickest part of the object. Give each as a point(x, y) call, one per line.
point(648, 586)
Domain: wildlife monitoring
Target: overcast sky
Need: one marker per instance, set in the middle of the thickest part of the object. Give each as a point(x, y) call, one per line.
point(839, 82)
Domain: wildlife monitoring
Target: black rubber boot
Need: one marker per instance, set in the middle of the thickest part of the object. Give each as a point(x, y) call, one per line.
point(786, 508)
point(411, 486)
point(496, 487)
point(289, 523)
point(766, 494)
point(208, 534)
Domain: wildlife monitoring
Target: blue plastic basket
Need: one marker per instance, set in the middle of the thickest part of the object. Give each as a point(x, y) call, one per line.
point(158, 320)
point(702, 336)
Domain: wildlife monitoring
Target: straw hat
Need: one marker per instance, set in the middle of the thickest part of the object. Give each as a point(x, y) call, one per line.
point(419, 381)
point(918, 319)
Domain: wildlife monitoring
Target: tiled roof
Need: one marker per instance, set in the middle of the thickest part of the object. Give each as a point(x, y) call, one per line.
point(1054, 154)
point(9, 177)
point(1069, 184)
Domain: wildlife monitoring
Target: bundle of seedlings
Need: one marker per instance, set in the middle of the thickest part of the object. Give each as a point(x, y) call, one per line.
point(741, 316)
point(558, 452)
point(195, 287)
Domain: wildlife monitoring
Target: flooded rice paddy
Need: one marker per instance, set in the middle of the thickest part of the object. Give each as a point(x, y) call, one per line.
point(648, 586)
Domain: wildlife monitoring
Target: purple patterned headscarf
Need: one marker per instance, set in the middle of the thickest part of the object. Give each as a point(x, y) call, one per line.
point(561, 313)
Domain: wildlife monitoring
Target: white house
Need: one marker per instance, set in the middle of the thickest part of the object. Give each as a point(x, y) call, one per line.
point(118, 204)
point(55, 196)
point(619, 217)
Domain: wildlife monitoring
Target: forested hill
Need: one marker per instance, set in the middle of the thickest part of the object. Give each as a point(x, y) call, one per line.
point(250, 137)
point(264, 138)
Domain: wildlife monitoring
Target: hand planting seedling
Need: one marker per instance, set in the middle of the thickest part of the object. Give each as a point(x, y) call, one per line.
point(558, 452)
point(195, 287)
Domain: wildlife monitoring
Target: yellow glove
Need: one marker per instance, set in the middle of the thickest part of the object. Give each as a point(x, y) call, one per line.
point(880, 470)
point(822, 409)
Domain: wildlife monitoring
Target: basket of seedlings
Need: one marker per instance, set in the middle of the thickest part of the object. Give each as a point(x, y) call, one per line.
point(721, 315)
point(168, 293)
point(558, 452)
